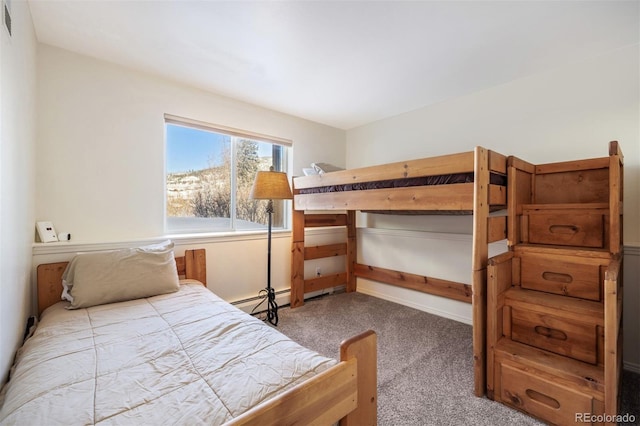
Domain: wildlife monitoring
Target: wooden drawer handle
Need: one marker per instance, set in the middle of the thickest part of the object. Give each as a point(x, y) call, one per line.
point(551, 333)
point(543, 399)
point(563, 229)
point(557, 277)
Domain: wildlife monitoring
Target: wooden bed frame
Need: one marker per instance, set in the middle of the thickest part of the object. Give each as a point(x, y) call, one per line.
point(479, 198)
point(346, 392)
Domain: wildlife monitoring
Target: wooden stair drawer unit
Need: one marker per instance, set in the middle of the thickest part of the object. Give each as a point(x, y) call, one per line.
point(573, 276)
point(565, 225)
point(532, 393)
point(554, 299)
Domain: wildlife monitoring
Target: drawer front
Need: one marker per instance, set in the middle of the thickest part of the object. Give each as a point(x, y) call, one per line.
point(561, 276)
point(556, 334)
point(542, 398)
point(582, 230)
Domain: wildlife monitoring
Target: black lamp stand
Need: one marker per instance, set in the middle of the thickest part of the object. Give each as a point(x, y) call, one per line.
point(272, 306)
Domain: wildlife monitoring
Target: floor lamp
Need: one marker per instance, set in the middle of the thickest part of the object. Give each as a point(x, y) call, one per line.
point(271, 186)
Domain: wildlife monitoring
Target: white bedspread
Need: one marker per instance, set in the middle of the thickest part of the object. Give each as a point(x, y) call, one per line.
point(181, 358)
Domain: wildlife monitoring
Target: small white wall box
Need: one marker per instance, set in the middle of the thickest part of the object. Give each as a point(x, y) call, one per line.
point(46, 232)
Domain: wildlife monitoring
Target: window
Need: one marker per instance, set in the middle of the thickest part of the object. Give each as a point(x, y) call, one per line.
point(209, 175)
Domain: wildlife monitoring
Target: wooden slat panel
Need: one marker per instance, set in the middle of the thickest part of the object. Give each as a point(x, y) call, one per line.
point(364, 348)
point(578, 186)
point(181, 266)
point(319, 220)
point(323, 399)
point(497, 195)
point(562, 251)
point(448, 289)
point(325, 281)
point(454, 197)
point(563, 207)
point(49, 278)
point(196, 265)
point(573, 166)
point(520, 164)
point(497, 162)
point(297, 228)
point(519, 193)
point(297, 255)
point(432, 166)
point(499, 280)
point(497, 228)
point(329, 250)
point(479, 314)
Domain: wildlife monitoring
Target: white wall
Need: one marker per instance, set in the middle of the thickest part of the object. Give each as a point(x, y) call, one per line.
point(101, 143)
point(17, 227)
point(567, 113)
point(101, 165)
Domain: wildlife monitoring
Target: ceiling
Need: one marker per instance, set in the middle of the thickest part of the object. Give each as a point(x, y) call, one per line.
point(340, 63)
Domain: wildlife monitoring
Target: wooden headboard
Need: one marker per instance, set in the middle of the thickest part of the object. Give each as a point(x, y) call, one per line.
point(49, 276)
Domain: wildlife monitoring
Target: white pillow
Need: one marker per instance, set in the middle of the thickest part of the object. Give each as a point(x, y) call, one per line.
point(118, 275)
point(322, 168)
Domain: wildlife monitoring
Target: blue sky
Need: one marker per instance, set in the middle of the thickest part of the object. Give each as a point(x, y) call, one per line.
point(193, 149)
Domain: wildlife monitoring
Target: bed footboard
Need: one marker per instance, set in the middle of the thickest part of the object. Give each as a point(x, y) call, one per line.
point(346, 392)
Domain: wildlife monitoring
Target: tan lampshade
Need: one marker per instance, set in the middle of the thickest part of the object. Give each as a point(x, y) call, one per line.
point(271, 186)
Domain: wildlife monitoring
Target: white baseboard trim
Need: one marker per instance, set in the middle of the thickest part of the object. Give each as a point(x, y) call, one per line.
point(283, 298)
point(418, 306)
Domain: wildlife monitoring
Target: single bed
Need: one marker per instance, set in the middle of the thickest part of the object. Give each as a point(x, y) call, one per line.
point(180, 357)
point(471, 182)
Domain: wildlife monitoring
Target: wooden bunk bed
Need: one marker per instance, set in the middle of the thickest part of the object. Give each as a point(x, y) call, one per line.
point(343, 391)
point(465, 183)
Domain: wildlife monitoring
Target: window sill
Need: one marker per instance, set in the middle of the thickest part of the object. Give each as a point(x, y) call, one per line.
point(179, 240)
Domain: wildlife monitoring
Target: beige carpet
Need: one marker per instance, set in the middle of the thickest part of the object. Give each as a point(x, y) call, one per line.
point(425, 371)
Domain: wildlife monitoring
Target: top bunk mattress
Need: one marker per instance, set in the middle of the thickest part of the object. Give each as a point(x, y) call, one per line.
point(181, 358)
point(495, 179)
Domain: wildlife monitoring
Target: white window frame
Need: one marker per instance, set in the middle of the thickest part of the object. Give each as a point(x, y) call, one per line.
point(235, 134)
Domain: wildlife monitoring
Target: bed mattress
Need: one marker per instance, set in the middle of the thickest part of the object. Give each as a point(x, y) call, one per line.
point(182, 358)
point(495, 179)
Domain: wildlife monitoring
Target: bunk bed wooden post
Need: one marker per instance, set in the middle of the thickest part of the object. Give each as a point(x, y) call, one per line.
point(297, 254)
point(363, 348)
point(480, 254)
point(613, 284)
point(616, 178)
point(612, 340)
point(351, 257)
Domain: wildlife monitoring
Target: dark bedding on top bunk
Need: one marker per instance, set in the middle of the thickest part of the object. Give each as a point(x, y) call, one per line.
point(495, 179)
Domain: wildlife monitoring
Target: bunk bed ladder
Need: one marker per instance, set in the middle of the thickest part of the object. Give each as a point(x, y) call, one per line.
point(300, 253)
